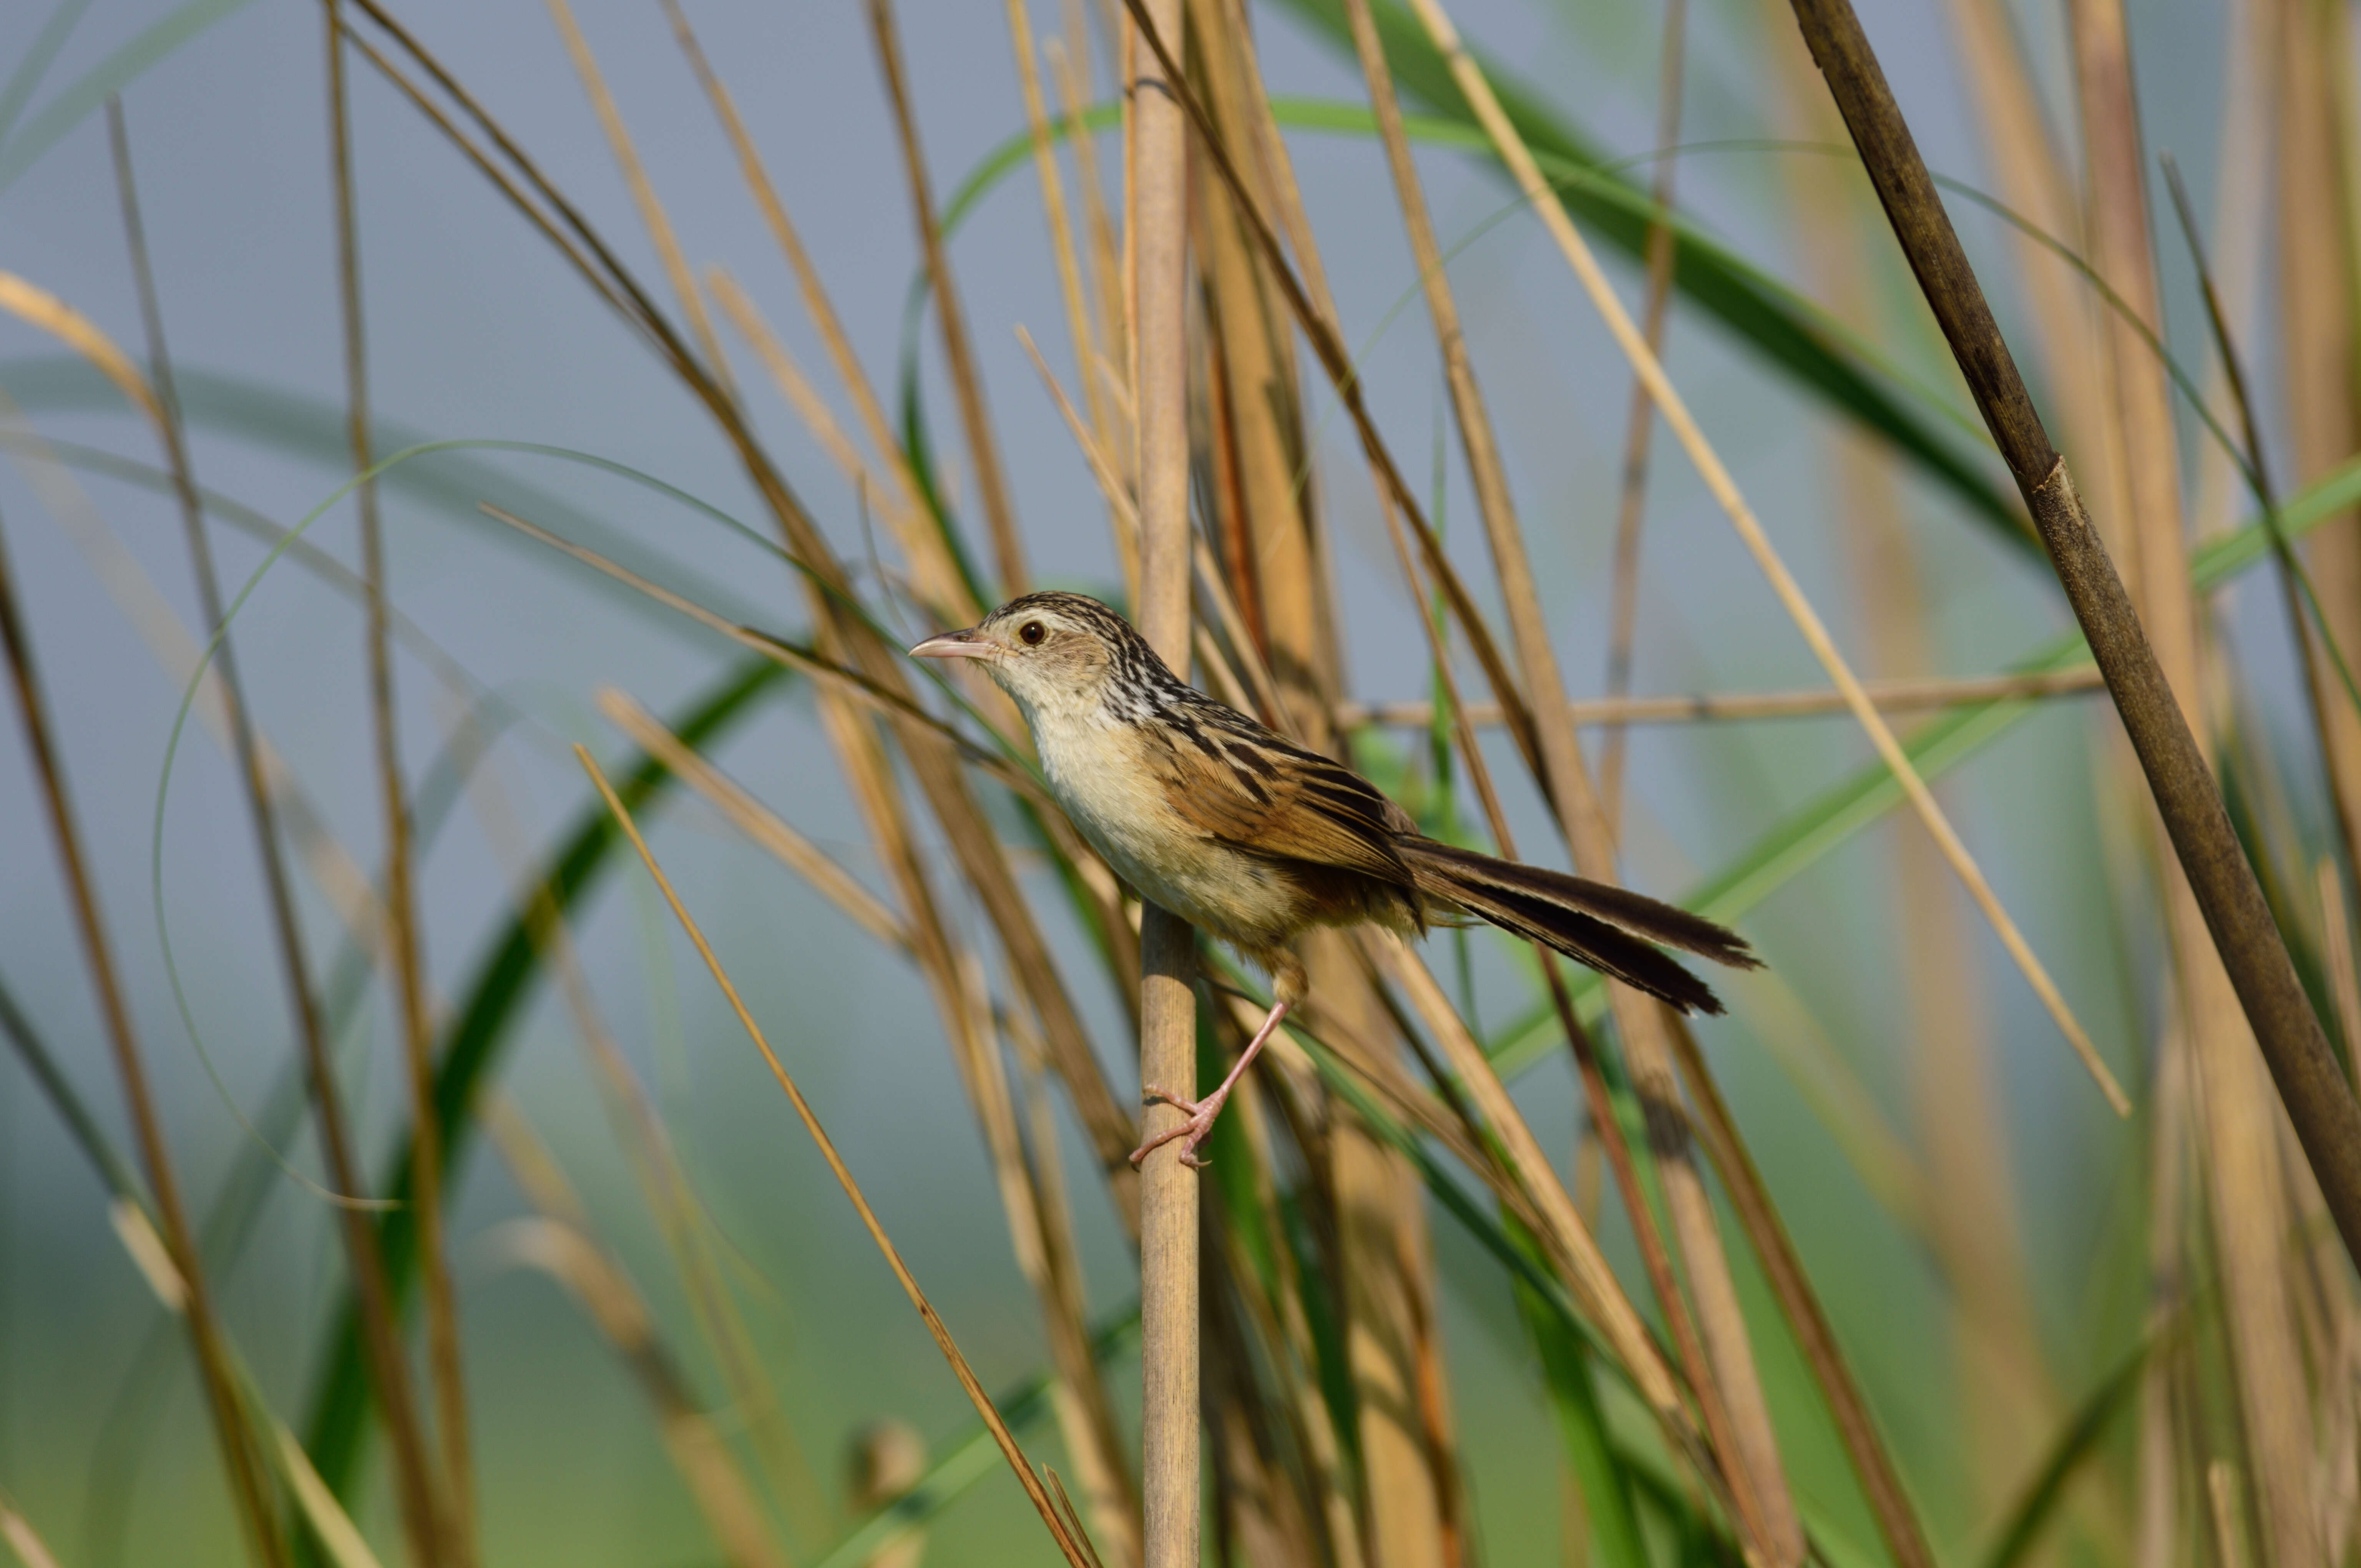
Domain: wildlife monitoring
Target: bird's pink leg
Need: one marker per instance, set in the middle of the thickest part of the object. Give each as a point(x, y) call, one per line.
point(1201, 1113)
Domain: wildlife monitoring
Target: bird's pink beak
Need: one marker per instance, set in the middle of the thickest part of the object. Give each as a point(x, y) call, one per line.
point(955, 645)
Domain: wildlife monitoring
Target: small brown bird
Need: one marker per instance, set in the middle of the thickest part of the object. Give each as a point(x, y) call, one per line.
point(1255, 840)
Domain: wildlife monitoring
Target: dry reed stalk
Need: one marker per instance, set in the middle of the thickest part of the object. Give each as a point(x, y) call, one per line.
point(1640, 423)
point(1749, 1446)
point(760, 826)
point(1070, 61)
point(939, 581)
point(967, 384)
point(2312, 88)
point(1054, 211)
point(1157, 218)
point(2249, 1207)
point(2336, 952)
point(905, 516)
point(1998, 1377)
point(454, 1511)
point(1575, 1253)
point(2320, 698)
point(644, 194)
point(1001, 1435)
point(381, 1330)
point(2240, 227)
point(1890, 695)
point(2160, 1440)
point(230, 1428)
point(1511, 145)
point(1407, 1505)
point(2033, 173)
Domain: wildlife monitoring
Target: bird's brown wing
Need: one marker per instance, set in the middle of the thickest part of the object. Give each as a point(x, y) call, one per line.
point(1236, 782)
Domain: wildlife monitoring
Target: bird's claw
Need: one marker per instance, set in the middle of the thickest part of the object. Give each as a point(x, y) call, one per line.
point(1200, 1116)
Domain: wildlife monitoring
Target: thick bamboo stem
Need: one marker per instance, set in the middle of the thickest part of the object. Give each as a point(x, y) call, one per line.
point(1168, 1029)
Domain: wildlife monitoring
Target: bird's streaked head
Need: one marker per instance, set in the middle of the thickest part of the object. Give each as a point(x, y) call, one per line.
point(1061, 654)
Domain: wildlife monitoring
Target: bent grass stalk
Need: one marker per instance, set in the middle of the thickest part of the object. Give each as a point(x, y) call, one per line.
point(1034, 1490)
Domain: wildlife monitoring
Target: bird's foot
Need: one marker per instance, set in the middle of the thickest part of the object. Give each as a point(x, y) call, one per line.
point(1202, 1114)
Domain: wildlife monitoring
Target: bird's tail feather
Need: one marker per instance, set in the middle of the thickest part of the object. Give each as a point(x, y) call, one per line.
point(1611, 930)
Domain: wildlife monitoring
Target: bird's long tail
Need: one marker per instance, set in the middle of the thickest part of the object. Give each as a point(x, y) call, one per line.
point(1612, 929)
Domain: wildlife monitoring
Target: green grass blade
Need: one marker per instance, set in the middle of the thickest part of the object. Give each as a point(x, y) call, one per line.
point(297, 425)
point(1598, 1471)
point(82, 97)
point(27, 77)
point(2075, 1442)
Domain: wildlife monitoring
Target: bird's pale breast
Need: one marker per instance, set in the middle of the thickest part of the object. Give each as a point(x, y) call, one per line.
point(1115, 801)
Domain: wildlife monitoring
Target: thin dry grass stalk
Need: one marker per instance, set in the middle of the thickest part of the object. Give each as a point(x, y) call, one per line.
point(1157, 227)
point(1640, 423)
point(758, 822)
point(984, 1407)
point(967, 381)
point(936, 582)
point(2309, 90)
point(455, 1508)
point(230, 1429)
point(36, 306)
point(1904, 695)
point(687, 1229)
point(644, 194)
point(381, 1328)
point(1510, 146)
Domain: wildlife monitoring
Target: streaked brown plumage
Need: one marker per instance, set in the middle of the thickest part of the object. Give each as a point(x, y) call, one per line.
point(1253, 839)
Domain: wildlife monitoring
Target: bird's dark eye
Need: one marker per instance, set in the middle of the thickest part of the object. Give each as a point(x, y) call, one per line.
point(1031, 633)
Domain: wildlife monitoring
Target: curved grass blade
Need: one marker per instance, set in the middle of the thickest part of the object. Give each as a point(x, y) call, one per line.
point(312, 428)
point(35, 60)
point(2075, 1442)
